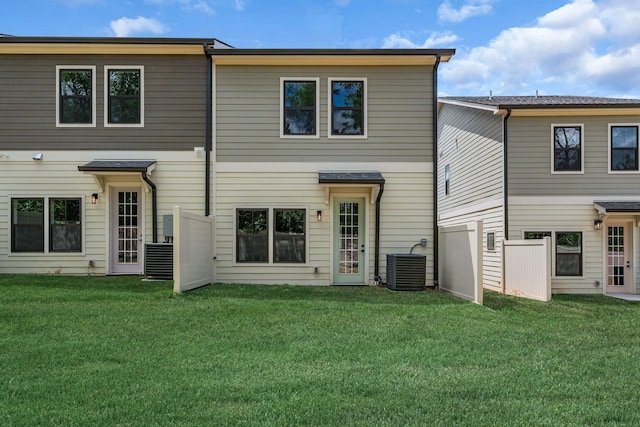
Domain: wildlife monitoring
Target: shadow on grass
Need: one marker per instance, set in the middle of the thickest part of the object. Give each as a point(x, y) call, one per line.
point(497, 301)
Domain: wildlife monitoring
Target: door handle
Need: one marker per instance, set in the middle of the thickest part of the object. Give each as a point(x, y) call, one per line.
point(628, 264)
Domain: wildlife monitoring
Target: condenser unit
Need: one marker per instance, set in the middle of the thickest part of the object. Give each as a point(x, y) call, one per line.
point(406, 272)
point(158, 261)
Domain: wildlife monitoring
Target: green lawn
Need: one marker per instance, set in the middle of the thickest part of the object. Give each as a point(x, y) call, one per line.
point(85, 351)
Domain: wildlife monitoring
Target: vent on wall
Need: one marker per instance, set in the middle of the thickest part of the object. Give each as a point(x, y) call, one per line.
point(158, 261)
point(406, 272)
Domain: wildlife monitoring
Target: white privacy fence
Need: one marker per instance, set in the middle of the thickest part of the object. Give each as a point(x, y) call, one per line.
point(460, 260)
point(193, 243)
point(526, 268)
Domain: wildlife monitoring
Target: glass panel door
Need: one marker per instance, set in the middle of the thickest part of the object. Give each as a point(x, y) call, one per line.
point(618, 258)
point(126, 238)
point(349, 251)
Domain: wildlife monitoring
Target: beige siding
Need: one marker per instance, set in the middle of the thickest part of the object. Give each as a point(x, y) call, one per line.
point(530, 159)
point(399, 122)
point(179, 179)
point(174, 102)
point(406, 216)
point(470, 142)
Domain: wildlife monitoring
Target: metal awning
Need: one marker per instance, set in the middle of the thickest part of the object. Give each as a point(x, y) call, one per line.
point(617, 207)
point(101, 168)
point(329, 179)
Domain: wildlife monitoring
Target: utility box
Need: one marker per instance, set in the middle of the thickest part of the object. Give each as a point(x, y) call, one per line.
point(167, 228)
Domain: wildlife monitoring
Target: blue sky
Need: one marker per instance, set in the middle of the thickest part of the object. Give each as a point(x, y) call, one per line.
point(509, 47)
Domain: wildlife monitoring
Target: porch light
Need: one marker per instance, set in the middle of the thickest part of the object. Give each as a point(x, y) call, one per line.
point(597, 223)
point(94, 199)
point(319, 216)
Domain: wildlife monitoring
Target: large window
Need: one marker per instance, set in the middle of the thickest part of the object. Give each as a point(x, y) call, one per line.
point(299, 99)
point(348, 115)
point(285, 234)
point(124, 104)
point(568, 250)
point(63, 222)
point(623, 148)
point(567, 148)
point(75, 95)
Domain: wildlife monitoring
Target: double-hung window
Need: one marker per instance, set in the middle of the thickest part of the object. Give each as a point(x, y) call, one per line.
point(75, 96)
point(41, 225)
point(271, 235)
point(567, 148)
point(568, 250)
point(124, 96)
point(299, 107)
point(347, 110)
point(623, 148)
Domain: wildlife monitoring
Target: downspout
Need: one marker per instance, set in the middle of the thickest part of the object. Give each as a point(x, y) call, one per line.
point(154, 206)
point(505, 164)
point(376, 268)
point(435, 171)
point(208, 134)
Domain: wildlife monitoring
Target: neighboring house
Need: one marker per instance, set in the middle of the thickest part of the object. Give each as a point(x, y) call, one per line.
point(97, 139)
point(562, 167)
point(315, 163)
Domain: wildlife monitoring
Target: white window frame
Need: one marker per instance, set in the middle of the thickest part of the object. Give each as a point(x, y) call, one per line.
point(107, 68)
point(619, 172)
point(553, 146)
point(47, 225)
point(271, 218)
point(93, 96)
point(365, 117)
point(447, 179)
point(317, 106)
point(552, 239)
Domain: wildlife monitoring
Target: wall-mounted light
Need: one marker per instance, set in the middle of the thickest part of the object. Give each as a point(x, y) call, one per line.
point(597, 223)
point(319, 216)
point(37, 156)
point(94, 199)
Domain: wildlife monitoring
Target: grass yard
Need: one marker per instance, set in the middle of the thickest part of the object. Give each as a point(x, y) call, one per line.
point(92, 351)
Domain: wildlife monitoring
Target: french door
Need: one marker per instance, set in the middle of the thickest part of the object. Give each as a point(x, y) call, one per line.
point(619, 269)
point(126, 236)
point(349, 240)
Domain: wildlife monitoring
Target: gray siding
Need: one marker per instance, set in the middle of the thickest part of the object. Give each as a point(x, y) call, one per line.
point(470, 142)
point(530, 159)
point(174, 104)
point(399, 104)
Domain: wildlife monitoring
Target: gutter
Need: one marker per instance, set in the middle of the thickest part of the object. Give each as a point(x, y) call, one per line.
point(505, 164)
point(154, 206)
point(208, 134)
point(376, 269)
point(435, 171)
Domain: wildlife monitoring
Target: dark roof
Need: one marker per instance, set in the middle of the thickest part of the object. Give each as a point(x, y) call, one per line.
point(350, 178)
point(555, 101)
point(619, 206)
point(107, 40)
point(116, 166)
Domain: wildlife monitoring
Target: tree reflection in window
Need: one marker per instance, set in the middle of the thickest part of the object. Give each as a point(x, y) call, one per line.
point(567, 152)
point(624, 148)
point(75, 96)
point(299, 107)
point(252, 235)
point(124, 96)
point(289, 235)
point(347, 113)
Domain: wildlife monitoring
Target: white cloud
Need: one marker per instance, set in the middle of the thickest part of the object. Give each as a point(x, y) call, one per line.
point(447, 13)
point(125, 27)
point(190, 5)
point(560, 54)
point(239, 5)
point(397, 41)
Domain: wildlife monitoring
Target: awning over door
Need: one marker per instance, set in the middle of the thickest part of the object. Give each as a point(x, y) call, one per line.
point(101, 168)
point(606, 208)
point(329, 179)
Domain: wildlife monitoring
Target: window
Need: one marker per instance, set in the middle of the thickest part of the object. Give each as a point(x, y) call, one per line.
point(124, 88)
point(568, 248)
point(299, 101)
point(623, 148)
point(567, 148)
point(286, 234)
point(446, 180)
point(75, 104)
point(28, 225)
point(491, 241)
point(347, 114)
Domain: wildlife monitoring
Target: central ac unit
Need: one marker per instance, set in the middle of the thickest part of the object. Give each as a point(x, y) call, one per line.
point(406, 272)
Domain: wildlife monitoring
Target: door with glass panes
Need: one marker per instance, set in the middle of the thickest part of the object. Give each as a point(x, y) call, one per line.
point(126, 231)
point(349, 241)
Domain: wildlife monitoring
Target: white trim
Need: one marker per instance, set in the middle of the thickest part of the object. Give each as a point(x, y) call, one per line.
point(491, 108)
point(623, 172)
point(106, 95)
point(567, 200)
point(229, 167)
point(317, 106)
point(46, 224)
point(93, 96)
point(479, 207)
point(366, 231)
point(142, 240)
point(553, 151)
point(365, 122)
point(79, 156)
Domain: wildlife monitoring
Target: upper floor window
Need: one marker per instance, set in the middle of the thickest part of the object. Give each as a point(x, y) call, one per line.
point(75, 95)
point(567, 148)
point(623, 148)
point(124, 101)
point(446, 180)
point(299, 106)
point(347, 115)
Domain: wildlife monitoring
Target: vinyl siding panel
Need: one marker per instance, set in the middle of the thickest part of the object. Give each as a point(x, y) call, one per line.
point(470, 142)
point(174, 104)
point(530, 159)
point(399, 115)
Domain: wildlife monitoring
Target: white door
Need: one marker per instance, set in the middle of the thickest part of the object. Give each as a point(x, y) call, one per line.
point(126, 235)
point(618, 257)
point(348, 238)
